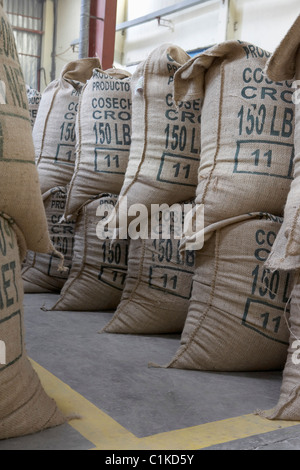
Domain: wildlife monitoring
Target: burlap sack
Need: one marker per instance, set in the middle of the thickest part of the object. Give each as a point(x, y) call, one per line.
point(165, 145)
point(34, 99)
point(20, 195)
point(282, 64)
point(285, 63)
point(98, 272)
point(288, 406)
point(157, 288)
point(235, 320)
point(103, 127)
point(247, 129)
point(278, 258)
point(54, 133)
point(25, 408)
point(49, 272)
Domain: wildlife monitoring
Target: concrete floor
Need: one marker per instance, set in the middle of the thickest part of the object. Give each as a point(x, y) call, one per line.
point(124, 404)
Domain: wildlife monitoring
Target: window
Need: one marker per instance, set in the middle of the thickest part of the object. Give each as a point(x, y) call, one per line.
point(26, 18)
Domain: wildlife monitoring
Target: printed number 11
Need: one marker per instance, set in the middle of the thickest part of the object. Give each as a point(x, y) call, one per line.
point(276, 320)
point(165, 279)
point(186, 168)
point(108, 160)
point(267, 154)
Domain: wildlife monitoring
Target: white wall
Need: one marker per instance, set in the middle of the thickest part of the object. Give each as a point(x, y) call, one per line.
point(47, 44)
point(119, 39)
point(68, 29)
point(262, 22)
point(190, 29)
point(265, 22)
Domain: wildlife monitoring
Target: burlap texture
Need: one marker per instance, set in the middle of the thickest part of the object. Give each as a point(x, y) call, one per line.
point(165, 143)
point(236, 316)
point(49, 272)
point(25, 408)
point(292, 207)
point(103, 129)
point(20, 195)
point(285, 62)
point(98, 272)
point(288, 406)
point(247, 130)
point(157, 288)
point(54, 133)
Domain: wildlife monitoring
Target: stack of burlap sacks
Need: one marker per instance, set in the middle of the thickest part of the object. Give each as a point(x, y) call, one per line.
point(233, 315)
point(215, 131)
point(162, 169)
point(81, 137)
point(244, 307)
point(54, 140)
point(126, 129)
point(236, 317)
point(230, 308)
point(25, 407)
point(103, 136)
point(237, 309)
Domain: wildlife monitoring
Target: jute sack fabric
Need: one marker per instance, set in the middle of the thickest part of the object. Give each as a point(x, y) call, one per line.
point(25, 408)
point(165, 144)
point(288, 406)
point(157, 288)
point(103, 129)
point(285, 62)
point(98, 272)
point(54, 133)
point(247, 129)
point(20, 195)
point(278, 258)
point(34, 99)
point(235, 320)
point(49, 272)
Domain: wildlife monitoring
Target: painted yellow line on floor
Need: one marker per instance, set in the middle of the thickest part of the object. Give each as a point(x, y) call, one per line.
point(107, 434)
point(95, 425)
point(217, 432)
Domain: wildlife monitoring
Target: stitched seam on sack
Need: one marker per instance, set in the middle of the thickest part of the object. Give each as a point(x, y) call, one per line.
point(292, 234)
point(133, 292)
point(17, 231)
point(31, 266)
point(67, 286)
point(78, 153)
point(37, 393)
point(45, 126)
point(53, 282)
point(34, 259)
point(278, 410)
point(24, 404)
point(55, 410)
point(210, 303)
point(19, 237)
point(218, 134)
point(136, 175)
